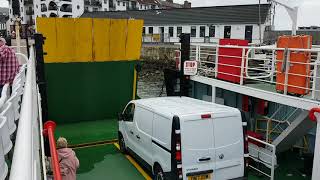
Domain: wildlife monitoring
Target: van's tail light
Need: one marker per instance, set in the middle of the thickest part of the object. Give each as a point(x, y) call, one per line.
point(178, 153)
point(176, 149)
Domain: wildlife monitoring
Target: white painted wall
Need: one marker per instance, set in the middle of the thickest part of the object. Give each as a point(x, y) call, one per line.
point(122, 6)
point(77, 8)
point(237, 32)
point(105, 5)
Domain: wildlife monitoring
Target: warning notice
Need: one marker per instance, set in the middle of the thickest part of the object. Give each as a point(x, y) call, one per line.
point(190, 68)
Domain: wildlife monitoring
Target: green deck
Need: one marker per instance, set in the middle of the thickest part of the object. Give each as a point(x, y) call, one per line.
point(269, 87)
point(105, 162)
point(88, 131)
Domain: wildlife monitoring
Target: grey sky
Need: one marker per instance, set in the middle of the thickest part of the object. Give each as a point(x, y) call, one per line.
point(309, 11)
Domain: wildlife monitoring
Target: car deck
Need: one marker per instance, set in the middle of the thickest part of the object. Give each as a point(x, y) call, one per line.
point(104, 161)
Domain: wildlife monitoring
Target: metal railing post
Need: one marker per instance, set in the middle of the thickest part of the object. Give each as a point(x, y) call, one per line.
point(217, 62)
point(287, 66)
point(49, 127)
point(273, 65)
point(315, 78)
point(315, 116)
point(40, 71)
point(242, 66)
point(272, 162)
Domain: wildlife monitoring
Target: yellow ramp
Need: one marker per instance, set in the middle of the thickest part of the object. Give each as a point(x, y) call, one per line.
point(87, 40)
point(65, 40)
point(118, 38)
point(83, 40)
point(101, 42)
point(134, 39)
point(47, 27)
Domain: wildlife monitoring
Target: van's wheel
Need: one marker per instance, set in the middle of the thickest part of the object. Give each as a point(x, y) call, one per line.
point(158, 173)
point(122, 144)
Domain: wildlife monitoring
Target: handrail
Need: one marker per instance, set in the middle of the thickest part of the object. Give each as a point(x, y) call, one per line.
point(259, 77)
point(23, 56)
point(23, 164)
point(253, 47)
point(273, 162)
point(263, 70)
point(49, 128)
point(315, 116)
point(44, 170)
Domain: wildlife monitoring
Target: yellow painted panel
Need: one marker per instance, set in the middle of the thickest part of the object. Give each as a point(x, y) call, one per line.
point(47, 27)
point(118, 38)
point(134, 39)
point(65, 40)
point(83, 40)
point(101, 39)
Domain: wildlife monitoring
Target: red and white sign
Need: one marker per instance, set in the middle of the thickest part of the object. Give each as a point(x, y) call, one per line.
point(190, 68)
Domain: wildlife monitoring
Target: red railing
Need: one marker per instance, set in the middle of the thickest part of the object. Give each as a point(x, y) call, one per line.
point(316, 159)
point(312, 116)
point(49, 128)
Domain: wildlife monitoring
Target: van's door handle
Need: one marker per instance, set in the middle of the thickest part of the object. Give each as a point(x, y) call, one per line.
point(204, 159)
point(131, 132)
point(138, 137)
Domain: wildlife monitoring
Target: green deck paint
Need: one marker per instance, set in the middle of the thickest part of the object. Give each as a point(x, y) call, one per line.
point(86, 91)
point(88, 131)
point(105, 162)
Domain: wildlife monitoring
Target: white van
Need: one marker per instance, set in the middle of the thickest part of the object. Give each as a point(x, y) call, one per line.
point(184, 138)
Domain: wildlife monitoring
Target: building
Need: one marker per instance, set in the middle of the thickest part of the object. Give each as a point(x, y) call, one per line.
point(205, 24)
point(58, 8)
point(309, 28)
point(126, 5)
point(4, 16)
point(30, 9)
point(3, 24)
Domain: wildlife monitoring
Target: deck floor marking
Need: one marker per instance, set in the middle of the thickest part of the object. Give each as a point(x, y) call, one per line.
point(93, 145)
point(135, 164)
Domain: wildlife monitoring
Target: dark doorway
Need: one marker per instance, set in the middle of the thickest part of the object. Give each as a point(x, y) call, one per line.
point(227, 32)
point(161, 31)
point(248, 33)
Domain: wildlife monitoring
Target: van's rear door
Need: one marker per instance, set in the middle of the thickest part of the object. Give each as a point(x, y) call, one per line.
point(197, 147)
point(228, 135)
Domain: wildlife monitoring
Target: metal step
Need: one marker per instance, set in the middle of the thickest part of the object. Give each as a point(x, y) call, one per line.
point(298, 128)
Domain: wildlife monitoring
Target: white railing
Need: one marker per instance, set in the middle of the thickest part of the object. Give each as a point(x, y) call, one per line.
point(265, 155)
point(27, 162)
point(261, 65)
point(277, 124)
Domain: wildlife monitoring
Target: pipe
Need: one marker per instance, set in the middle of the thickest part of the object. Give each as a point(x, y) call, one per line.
point(316, 160)
point(49, 128)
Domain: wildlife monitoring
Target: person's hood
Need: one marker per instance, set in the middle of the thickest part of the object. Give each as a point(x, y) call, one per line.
point(65, 153)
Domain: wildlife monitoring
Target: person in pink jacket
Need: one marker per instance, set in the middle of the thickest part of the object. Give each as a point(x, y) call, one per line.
point(68, 160)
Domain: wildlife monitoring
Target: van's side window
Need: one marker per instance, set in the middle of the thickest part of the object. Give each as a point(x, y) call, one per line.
point(129, 113)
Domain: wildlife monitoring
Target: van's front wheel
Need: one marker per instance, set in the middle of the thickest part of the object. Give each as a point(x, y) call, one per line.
point(158, 173)
point(122, 144)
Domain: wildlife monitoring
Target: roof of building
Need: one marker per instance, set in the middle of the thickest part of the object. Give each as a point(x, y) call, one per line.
point(148, 2)
point(240, 14)
point(170, 4)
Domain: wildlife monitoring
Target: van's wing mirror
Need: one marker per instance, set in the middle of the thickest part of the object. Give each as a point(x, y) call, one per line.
point(120, 117)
